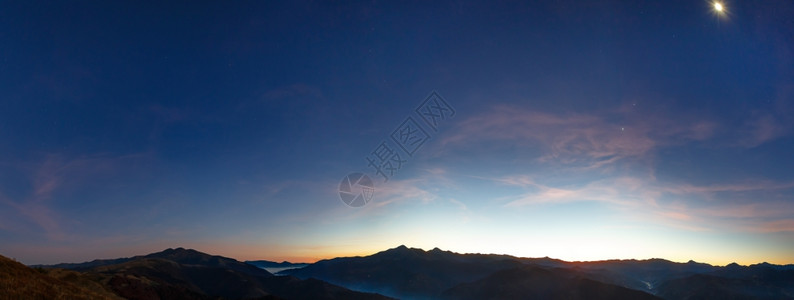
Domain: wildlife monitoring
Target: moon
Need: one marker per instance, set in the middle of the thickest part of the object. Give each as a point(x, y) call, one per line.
point(718, 7)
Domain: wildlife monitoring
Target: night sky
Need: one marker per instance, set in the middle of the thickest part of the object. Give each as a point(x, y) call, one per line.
point(582, 130)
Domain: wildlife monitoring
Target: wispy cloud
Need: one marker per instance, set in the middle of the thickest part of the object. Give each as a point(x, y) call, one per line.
point(621, 191)
point(594, 140)
point(750, 185)
point(783, 225)
point(399, 191)
point(762, 128)
point(397, 194)
point(609, 142)
point(684, 206)
point(55, 175)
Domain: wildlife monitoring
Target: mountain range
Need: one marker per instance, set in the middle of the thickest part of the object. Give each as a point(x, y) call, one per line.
point(404, 272)
point(401, 272)
point(271, 264)
point(189, 274)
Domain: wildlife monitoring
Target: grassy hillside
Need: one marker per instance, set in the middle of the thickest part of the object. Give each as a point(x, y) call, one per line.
point(18, 281)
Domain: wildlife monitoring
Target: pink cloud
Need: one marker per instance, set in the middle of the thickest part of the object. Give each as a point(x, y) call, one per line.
point(731, 187)
point(763, 128)
point(515, 180)
point(675, 215)
point(395, 193)
point(591, 139)
point(694, 209)
point(627, 192)
point(55, 175)
point(748, 210)
point(785, 225)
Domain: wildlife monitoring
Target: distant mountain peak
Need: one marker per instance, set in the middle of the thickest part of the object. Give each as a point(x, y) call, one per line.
point(179, 254)
point(733, 265)
point(400, 249)
point(177, 249)
point(763, 265)
point(402, 252)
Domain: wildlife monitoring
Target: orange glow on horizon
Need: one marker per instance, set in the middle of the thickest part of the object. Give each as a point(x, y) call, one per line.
point(779, 260)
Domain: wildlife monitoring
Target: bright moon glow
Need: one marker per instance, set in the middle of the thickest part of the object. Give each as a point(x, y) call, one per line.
point(718, 6)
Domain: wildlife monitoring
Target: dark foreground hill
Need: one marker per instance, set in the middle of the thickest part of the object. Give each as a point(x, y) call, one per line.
point(18, 281)
point(404, 272)
point(189, 274)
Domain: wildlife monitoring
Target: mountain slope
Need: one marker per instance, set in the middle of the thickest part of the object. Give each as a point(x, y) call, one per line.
point(541, 283)
point(166, 278)
point(644, 275)
point(18, 281)
point(272, 264)
point(189, 274)
point(145, 277)
point(733, 282)
point(404, 272)
point(190, 257)
point(199, 275)
point(179, 255)
point(408, 273)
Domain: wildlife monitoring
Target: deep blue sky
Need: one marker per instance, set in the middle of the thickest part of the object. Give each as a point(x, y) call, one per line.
point(583, 130)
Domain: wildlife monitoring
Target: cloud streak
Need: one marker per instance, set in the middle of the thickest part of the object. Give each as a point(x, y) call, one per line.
point(55, 176)
point(677, 205)
point(589, 139)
